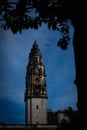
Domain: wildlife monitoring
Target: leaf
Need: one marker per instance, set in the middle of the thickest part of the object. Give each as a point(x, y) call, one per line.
point(49, 25)
point(63, 43)
point(54, 26)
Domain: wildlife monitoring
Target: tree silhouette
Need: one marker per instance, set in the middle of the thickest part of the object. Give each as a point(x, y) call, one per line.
point(25, 14)
point(72, 114)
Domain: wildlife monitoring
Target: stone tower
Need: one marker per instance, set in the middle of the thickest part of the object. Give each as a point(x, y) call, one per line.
point(35, 93)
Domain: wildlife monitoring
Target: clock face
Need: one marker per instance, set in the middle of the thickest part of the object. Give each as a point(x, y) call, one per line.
point(36, 80)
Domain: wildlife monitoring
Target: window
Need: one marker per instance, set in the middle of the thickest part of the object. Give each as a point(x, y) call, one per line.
point(36, 106)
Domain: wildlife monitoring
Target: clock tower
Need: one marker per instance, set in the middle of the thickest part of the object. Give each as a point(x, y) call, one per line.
point(35, 93)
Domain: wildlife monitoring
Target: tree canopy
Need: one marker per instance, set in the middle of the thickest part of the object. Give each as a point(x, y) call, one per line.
point(18, 15)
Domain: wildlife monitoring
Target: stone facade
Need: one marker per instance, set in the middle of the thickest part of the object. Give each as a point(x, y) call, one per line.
point(57, 117)
point(39, 111)
point(62, 116)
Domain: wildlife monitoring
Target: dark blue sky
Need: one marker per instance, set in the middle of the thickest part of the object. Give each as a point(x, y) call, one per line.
point(59, 66)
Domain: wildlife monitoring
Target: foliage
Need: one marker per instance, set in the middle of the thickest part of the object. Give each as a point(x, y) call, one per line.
point(18, 15)
point(73, 120)
point(71, 113)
